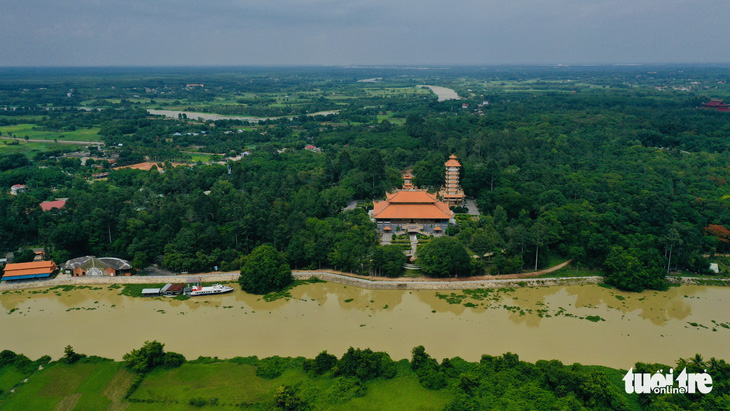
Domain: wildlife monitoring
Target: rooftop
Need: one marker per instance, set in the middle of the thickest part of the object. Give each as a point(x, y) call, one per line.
point(50, 205)
point(417, 204)
point(452, 162)
point(29, 269)
point(91, 261)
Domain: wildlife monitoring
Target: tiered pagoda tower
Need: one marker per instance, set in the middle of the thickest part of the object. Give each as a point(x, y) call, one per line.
point(451, 192)
point(407, 178)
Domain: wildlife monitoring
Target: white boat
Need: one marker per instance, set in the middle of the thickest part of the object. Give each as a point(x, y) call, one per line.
point(214, 289)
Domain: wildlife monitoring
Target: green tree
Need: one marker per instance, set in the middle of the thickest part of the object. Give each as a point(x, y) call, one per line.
point(444, 257)
point(264, 270)
point(388, 260)
point(24, 255)
point(150, 356)
point(365, 364)
point(70, 356)
point(484, 241)
point(634, 270)
point(322, 363)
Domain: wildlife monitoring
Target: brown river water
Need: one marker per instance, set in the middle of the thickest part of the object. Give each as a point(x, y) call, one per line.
point(536, 323)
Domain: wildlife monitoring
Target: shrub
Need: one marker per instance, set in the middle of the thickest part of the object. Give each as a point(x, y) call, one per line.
point(202, 402)
point(287, 398)
point(365, 364)
point(322, 363)
point(272, 367)
point(344, 389)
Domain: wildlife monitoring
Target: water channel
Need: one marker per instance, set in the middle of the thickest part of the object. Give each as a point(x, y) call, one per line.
point(587, 323)
point(443, 93)
point(211, 116)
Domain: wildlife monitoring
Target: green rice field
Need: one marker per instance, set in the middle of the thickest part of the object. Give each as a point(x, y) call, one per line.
point(32, 131)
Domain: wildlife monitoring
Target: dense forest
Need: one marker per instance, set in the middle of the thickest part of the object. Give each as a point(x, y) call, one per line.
point(616, 168)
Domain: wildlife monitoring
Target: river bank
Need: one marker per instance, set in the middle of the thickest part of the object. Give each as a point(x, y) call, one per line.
point(366, 282)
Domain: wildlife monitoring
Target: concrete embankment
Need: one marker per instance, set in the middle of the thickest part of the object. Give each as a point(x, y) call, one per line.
point(416, 284)
point(372, 283)
point(699, 281)
point(335, 277)
point(76, 281)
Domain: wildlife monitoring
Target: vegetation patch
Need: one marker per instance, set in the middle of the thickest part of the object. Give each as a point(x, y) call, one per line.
point(285, 293)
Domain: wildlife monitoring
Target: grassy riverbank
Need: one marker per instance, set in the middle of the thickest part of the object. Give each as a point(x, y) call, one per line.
point(359, 380)
point(96, 383)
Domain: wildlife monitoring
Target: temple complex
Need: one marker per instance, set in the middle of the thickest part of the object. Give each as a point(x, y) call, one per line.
point(451, 192)
point(412, 211)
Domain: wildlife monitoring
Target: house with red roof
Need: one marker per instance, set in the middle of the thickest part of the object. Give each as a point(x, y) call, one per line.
point(50, 205)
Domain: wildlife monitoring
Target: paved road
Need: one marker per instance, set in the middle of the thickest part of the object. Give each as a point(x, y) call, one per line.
point(351, 205)
point(472, 206)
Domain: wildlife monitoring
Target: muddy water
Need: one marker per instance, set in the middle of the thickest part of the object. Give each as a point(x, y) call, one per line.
point(536, 323)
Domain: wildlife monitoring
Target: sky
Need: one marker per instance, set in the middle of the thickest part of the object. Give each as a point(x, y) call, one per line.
point(361, 32)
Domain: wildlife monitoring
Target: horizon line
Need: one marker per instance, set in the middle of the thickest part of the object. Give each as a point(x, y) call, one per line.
point(372, 66)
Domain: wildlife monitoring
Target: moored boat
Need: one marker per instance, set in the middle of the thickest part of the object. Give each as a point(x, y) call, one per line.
point(214, 289)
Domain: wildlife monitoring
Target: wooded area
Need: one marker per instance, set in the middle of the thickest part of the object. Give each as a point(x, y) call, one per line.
point(617, 168)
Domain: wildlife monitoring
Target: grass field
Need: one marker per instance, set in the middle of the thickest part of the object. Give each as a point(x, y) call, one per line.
point(83, 386)
point(10, 377)
point(32, 147)
point(233, 385)
point(33, 131)
point(223, 385)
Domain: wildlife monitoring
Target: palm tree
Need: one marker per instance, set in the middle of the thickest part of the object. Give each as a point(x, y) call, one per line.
point(698, 363)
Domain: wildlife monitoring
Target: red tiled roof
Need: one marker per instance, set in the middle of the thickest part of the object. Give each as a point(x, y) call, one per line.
point(452, 162)
point(409, 197)
point(176, 287)
point(418, 205)
point(37, 267)
point(715, 103)
point(49, 205)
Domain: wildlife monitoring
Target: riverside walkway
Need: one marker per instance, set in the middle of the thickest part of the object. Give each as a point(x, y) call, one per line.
point(363, 281)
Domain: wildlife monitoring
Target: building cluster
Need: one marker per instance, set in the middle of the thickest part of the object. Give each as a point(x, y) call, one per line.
point(96, 267)
point(407, 210)
point(88, 266)
point(414, 210)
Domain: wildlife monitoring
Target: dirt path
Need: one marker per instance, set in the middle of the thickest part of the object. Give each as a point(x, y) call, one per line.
point(446, 280)
point(40, 140)
point(327, 274)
